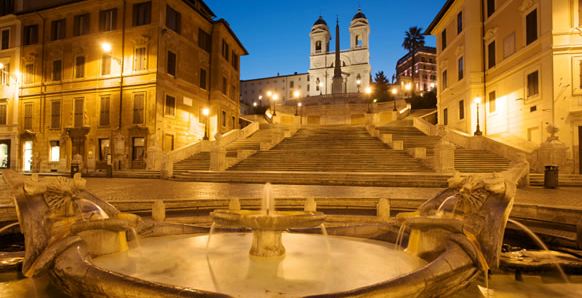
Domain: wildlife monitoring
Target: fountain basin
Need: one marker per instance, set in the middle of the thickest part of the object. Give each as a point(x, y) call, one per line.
point(267, 227)
point(307, 269)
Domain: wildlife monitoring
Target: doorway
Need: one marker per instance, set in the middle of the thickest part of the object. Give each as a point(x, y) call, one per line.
point(27, 156)
point(138, 153)
point(4, 154)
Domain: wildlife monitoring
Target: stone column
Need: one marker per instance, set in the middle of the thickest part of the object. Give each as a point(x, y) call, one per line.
point(444, 157)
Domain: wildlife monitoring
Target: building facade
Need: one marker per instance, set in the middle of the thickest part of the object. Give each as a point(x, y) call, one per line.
point(515, 63)
point(121, 83)
point(424, 71)
point(355, 67)
point(255, 91)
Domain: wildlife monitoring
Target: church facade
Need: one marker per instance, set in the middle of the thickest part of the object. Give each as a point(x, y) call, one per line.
point(318, 80)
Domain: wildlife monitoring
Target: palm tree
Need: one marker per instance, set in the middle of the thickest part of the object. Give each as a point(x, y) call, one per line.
point(413, 41)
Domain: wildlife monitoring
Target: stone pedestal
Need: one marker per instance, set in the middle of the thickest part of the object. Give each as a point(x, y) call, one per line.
point(267, 243)
point(218, 159)
point(444, 157)
point(398, 145)
point(386, 138)
point(419, 153)
point(552, 153)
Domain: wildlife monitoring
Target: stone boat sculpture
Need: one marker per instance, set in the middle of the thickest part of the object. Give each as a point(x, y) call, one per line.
point(458, 233)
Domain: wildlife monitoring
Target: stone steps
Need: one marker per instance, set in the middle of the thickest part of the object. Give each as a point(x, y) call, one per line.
point(567, 180)
point(323, 178)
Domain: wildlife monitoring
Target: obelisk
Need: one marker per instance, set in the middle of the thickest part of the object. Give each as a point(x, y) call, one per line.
point(337, 85)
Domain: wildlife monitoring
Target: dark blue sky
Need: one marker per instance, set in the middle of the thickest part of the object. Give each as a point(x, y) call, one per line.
point(276, 32)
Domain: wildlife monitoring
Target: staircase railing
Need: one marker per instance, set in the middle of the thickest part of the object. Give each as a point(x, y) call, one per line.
point(424, 126)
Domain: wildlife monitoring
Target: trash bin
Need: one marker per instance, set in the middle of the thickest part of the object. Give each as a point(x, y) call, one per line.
point(551, 177)
point(74, 169)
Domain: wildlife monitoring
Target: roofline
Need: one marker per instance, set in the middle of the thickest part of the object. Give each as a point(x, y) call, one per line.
point(439, 17)
point(431, 50)
point(274, 77)
point(225, 23)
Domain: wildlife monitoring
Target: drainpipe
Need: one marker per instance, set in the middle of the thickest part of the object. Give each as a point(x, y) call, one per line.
point(484, 56)
point(122, 66)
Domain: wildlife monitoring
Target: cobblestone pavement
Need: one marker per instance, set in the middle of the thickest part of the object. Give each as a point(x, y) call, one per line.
point(153, 189)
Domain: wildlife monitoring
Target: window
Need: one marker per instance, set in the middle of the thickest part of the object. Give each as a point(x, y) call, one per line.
point(5, 39)
point(173, 19)
point(459, 22)
point(234, 61)
point(533, 84)
point(104, 108)
point(359, 42)
point(54, 151)
point(491, 54)
point(317, 83)
point(171, 63)
point(168, 142)
point(223, 119)
point(142, 13)
point(56, 114)
point(233, 121)
point(140, 59)
point(170, 109)
point(79, 111)
point(104, 145)
point(445, 80)
point(460, 68)
point(292, 84)
point(108, 20)
point(30, 35)
point(106, 65)
point(461, 110)
point(492, 102)
point(138, 149)
point(6, 7)
point(318, 46)
point(80, 67)
point(490, 7)
point(28, 116)
point(446, 116)
point(225, 50)
point(204, 40)
point(57, 70)
point(224, 85)
point(5, 75)
point(203, 78)
point(531, 27)
point(444, 40)
point(81, 24)
point(29, 73)
point(138, 108)
point(58, 29)
point(3, 114)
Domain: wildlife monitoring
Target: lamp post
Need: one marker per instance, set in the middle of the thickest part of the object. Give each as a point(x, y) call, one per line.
point(394, 93)
point(299, 105)
point(320, 88)
point(358, 83)
point(477, 101)
point(206, 113)
point(274, 99)
point(368, 93)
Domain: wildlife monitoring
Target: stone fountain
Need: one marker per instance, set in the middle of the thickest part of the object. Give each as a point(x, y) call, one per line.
point(85, 245)
point(267, 224)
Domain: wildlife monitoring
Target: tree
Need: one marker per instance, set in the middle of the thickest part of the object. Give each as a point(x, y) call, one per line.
point(380, 86)
point(413, 41)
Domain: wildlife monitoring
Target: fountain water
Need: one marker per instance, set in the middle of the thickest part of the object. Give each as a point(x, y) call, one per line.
point(540, 243)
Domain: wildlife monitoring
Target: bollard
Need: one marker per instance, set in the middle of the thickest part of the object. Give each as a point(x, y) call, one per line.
point(383, 209)
point(310, 205)
point(159, 211)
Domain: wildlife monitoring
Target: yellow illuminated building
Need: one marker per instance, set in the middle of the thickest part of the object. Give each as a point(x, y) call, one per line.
point(159, 62)
point(517, 61)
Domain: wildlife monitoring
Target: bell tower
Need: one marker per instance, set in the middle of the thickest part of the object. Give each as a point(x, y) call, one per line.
point(320, 37)
point(359, 31)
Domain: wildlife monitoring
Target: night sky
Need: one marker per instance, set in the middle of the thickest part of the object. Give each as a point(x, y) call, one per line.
point(276, 32)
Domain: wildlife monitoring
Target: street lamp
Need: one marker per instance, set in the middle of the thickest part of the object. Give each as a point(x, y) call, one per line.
point(299, 104)
point(274, 99)
point(368, 92)
point(477, 101)
point(106, 47)
point(394, 93)
point(320, 88)
point(296, 94)
point(358, 83)
point(206, 113)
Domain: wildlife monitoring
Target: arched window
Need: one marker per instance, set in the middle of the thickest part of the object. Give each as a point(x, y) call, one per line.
point(359, 42)
point(318, 46)
point(343, 63)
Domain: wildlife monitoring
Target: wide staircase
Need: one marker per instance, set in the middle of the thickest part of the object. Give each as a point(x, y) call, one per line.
point(466, 160)
point(340, 155)
point(335, 149)
point(201, 161)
